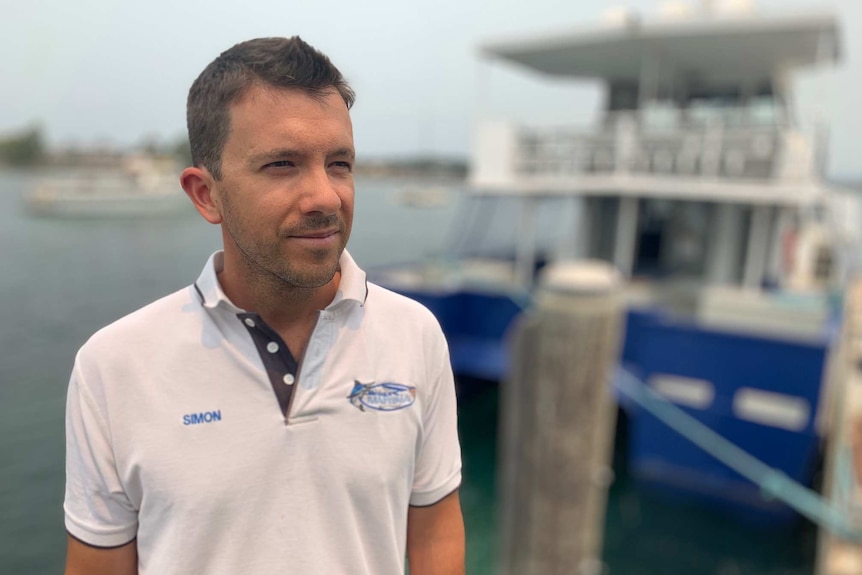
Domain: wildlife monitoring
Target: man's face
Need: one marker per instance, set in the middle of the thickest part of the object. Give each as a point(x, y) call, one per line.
point(286, 193)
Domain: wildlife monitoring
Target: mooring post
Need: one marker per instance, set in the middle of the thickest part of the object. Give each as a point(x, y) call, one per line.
point(837, 555)
point(557, 423)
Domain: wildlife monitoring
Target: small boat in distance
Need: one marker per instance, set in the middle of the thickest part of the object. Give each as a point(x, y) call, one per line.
point(144, 186)
point(424, 197)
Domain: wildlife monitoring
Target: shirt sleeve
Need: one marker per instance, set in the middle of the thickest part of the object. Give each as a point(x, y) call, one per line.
point(438, 465)
point(97, 510)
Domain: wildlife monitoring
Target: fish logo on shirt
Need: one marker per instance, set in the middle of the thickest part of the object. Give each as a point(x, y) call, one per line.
point(382, 396)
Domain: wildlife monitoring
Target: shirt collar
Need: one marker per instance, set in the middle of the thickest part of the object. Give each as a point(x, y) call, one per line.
point(352, 286)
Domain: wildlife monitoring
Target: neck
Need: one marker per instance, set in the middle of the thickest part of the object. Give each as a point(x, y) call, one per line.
point(283, 306)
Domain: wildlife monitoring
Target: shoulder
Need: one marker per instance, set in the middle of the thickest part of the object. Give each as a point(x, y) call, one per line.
point(151, 324)
point(398, 308)
point(403, 322)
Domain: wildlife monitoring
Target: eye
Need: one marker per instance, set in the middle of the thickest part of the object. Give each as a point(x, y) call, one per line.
point(279, 164)
point(343, 165)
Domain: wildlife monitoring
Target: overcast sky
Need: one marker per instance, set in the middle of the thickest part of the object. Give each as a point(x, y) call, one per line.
point(116, 71)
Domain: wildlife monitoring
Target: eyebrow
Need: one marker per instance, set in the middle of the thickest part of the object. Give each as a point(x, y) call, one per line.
point(344, 152)
point(274, 155)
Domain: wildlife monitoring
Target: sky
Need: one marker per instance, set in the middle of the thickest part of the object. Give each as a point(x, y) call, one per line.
point(116, 72)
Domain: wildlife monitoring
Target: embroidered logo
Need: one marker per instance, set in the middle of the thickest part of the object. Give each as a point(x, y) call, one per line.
point(382, 396)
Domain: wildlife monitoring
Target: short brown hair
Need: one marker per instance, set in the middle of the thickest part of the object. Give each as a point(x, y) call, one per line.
point(277, 62)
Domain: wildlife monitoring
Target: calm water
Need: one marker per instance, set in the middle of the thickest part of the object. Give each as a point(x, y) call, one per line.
point(62, 280)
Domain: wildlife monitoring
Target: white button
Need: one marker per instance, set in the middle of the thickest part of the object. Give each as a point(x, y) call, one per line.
point(288, 378)
point(272, 347)
point(249, 322)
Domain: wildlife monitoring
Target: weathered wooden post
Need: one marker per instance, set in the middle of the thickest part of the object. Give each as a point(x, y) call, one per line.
point(557, 423)
point(837, 555)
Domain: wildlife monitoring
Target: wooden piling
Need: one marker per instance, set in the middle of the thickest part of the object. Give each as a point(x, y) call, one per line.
point(843, 473)
point(557, 423)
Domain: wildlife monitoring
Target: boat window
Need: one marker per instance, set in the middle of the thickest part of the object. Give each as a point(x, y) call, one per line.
point(492, 227)
point(714, 112)
point(672, 239)
point(623, 96)
point(660, 117)
point(763, 112)
point(823, 263)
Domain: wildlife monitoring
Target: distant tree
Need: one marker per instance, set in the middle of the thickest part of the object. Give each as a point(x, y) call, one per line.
point(151, 145)
point(23, 149)
point(177, 148)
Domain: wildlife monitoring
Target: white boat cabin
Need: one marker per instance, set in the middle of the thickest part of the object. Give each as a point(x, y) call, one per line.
point(697, 168)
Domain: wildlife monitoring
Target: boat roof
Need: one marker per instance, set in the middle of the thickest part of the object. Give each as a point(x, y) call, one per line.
point(746, 192)
point(711, 48)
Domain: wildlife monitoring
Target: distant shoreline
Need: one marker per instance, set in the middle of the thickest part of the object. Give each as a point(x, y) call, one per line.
point(416, 167)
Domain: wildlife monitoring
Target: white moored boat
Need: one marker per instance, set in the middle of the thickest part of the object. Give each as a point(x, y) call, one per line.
point(700, 187)
point(143, 187)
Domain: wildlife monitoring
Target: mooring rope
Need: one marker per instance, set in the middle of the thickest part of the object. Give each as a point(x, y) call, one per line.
point(830, 515)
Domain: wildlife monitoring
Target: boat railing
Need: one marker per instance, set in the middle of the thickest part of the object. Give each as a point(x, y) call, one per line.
point(742, 153)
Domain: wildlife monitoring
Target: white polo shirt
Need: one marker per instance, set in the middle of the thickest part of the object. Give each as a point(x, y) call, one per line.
point(191, 428)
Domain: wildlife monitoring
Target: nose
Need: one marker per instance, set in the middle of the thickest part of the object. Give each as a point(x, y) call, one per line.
point(320, 193)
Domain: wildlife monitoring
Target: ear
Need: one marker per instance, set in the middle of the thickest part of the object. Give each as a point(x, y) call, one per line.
point(198, 185)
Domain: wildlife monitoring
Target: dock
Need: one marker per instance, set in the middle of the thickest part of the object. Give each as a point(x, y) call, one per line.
point(843, 474)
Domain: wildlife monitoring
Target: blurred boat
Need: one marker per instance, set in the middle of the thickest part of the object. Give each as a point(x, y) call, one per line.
point(698, 185)
point(142, 187)
point(424, 196)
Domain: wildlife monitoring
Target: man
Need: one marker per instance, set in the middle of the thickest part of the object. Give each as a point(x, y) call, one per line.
point(280, 415)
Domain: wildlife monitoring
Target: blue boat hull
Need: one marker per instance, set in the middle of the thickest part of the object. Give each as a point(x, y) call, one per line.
point(476, 324)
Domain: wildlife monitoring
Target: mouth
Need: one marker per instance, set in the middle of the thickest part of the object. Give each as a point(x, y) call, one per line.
point(317, 240)
point(318, 235)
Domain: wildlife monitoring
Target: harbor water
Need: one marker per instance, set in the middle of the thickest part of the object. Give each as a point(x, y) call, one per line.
point(63, 279)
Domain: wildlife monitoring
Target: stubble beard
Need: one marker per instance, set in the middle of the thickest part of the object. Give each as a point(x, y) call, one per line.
point(268, 264)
